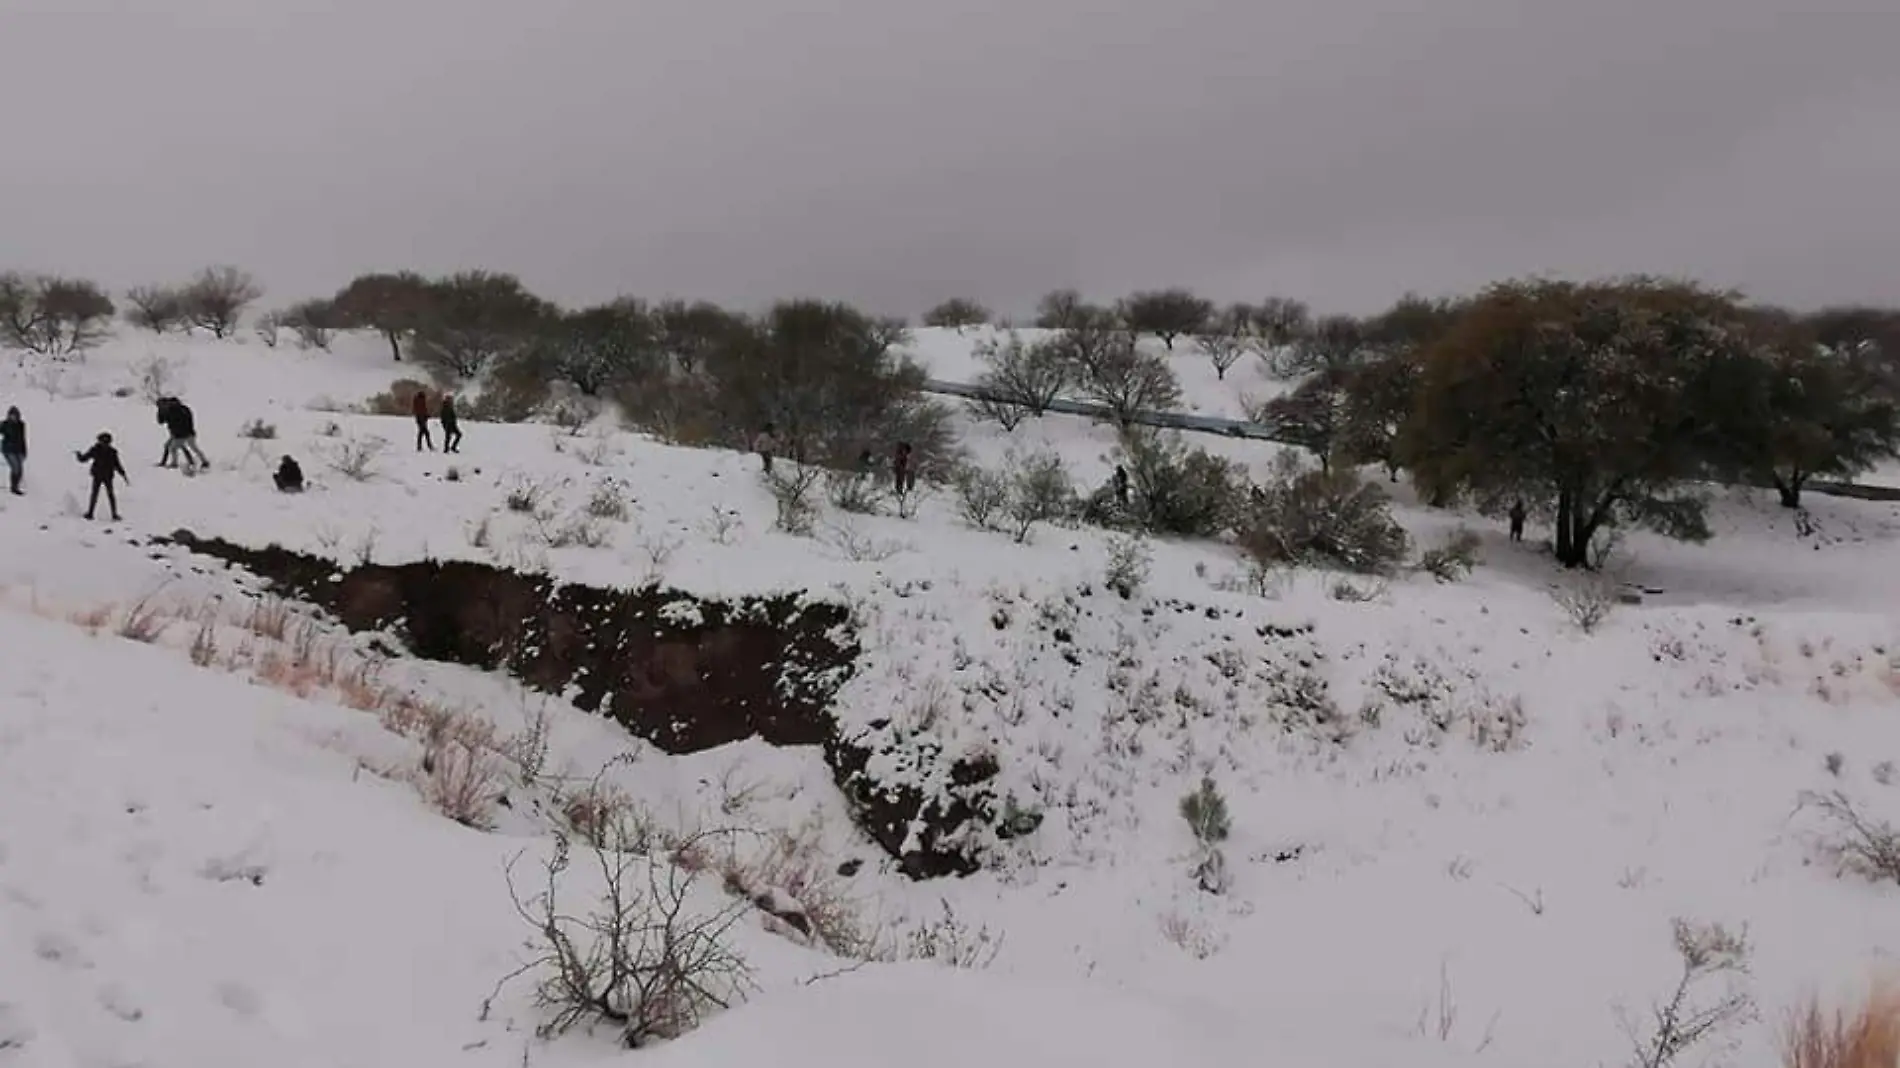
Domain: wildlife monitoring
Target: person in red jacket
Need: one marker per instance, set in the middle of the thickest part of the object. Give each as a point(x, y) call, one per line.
point(421, 408)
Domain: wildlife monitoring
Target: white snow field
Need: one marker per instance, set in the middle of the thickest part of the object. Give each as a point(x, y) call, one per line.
point(218, 851)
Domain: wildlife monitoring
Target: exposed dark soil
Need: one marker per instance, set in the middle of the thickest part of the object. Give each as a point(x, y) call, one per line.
point(683, 672)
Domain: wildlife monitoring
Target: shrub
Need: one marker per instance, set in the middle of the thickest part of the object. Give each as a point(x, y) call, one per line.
point(1864, 846)
point(1452, 560)
point(1205, 811)
point(525, 496)
point(791, 485)
point(607, 502)
point(1039, 492)
point(473, 319)
point(313, 321)
point(638, 959)
point(1587, 601)
point(258, 430)
point(854, 491)
point(981, 495)
point(1112, 370)
point(1128, 560)
point(1174, 489)
point(460, 779)
point(398, 399)
point(355, 458)
point(1870, 1038)
point(1324, 517)
point(1684, 1020)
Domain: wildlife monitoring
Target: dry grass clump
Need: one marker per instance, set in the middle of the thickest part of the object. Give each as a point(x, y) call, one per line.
point(1868, 1037)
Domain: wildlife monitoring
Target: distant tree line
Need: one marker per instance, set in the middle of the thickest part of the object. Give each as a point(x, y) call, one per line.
point(1597, 405)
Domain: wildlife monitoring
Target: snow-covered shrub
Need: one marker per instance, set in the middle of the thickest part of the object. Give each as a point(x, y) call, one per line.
point(1175, 489)
point(981, 494)
point(398, 399)
point(854, 491)
point(1860, 844)
point(1686, 1019)
point(1587, 600)
point(258, 430)
point(1454, 558)
point(948, 941)
point(607, 501)
point(355, 458)
point(1128, 560)
point(1205, 811)
point(1039, 492)
point(1324, 517)
point(792, 485)
point(640, 959)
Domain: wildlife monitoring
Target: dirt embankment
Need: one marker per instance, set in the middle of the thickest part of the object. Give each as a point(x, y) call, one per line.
point(682, 672)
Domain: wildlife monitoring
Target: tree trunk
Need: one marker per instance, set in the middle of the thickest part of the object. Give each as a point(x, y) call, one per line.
point(1789, 489)
point(1569, 519)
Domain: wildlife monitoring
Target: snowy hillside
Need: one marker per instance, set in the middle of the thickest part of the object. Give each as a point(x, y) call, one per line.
point(1461, 827)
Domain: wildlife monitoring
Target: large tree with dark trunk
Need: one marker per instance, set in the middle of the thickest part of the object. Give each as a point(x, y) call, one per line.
point(1600, 403)
point(392, 304)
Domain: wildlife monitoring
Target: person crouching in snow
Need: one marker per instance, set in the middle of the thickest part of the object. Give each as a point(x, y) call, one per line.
point(13, 448)
point(289, 476)
point(105, 466)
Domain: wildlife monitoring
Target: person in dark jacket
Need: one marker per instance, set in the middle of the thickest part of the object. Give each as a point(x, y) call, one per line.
point(1518, 514)
point(451, 425)
point(289, 476)
point(13, 448)
point(901, 473)
point(1120, 482)
point(105, 467)
point(169, 457)
point(420, 406)
point(184, 430)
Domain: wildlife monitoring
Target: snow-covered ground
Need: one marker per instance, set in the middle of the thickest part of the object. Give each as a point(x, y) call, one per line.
point(200, 867)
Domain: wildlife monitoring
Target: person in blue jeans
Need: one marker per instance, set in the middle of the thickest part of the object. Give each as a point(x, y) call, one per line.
point(13, 448)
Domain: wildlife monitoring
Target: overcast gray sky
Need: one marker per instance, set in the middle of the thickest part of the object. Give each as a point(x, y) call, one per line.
point(895, 152)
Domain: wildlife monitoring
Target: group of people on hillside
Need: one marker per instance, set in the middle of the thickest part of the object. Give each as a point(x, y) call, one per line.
point(903, 470)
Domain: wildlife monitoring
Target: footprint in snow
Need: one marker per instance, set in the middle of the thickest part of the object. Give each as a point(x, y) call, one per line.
point(114, 999)
point(55, 948)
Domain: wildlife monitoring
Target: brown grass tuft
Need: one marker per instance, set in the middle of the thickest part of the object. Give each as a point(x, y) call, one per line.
point(460, 780)
point(269, 618)
point(1867, 1038)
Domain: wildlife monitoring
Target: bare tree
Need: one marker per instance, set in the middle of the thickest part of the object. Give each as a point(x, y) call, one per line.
point(1280, 320)
point(1062, 309)
point(313, 321)
point(1026, 375)
point(957, 314)
point(50, 315)
point(1166, 313)
point(1229, 336)
point(160, 309)
point(215, 300)
point(1111, 370)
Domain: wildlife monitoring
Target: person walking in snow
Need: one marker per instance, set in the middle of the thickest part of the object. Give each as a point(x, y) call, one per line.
point(765, 443)
point(1518, 514)
point(168, 457)
point(184, 430)
point(1120, 482)
point(451, 425)
point(420, 408)
point(105, 467)
point(13, 448)
point(901, 473)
